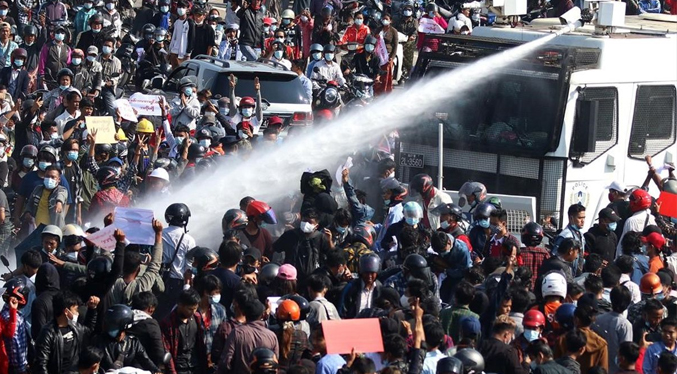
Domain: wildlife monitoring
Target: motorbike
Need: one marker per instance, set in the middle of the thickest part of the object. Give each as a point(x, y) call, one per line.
point(327, 101)
point(125, 55)
point(149, 77)
point(360, 91)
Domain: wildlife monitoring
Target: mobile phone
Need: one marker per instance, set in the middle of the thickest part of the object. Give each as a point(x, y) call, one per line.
point(38, 96)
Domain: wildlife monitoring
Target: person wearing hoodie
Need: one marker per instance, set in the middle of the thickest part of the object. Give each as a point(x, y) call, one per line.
point(145, 327)
point(47, 287)
point(316, 188)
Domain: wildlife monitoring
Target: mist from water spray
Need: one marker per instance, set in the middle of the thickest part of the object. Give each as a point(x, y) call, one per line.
point(276, 171)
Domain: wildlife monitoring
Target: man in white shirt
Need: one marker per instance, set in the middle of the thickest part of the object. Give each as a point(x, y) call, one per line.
point(327, 69)
point(72, 110)
point(181, 45)
point(229, 49)
point(640, 204)
point(434, 338)
point(625, 265)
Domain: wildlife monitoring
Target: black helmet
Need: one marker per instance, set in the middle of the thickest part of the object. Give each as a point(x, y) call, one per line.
point(195, 150)
point(29, 151)
point(203, 134)
point(118, 318)
point(483, 211)
point(103, 148)
point(370, 263)
point(263, 361)
point(234, 219)
point(165, 163)
point(65, 71)
point(415, 262)
point(16, 287)
point(106, 175)
point(431, 7)
point(177, 214)
point(99, 267)
point(302, 302)
point(48, 149)
point(421, 184)
point(96, 18)
point(449, 365)
point(370, 40)
point(204, 259)
point(451, 209)
point(30, 30)
point(532, 234)
point(148, 28)
point(471, 359)
point(329, 48)
point(268, 272)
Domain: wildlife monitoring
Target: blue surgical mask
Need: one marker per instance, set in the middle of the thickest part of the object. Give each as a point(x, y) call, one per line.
point(328, 56)
point(613, 226)
point(3, 12)
point(110, 6)
point(493, 228)
point(50, 183)
point(205, 142)
point(160, 38)
point(408, 13)
point(114, 333)
point(386, 202)
point(359, 21)
point(340, 230)
point(164, 9)
point(247, 112)
point(431, 14)
point(28, 162)
point(659, 296)
point(76, 61)
point(412, 221)
point(18, 63)
point(266, 29)
point(72, 155)
point(91, 58)
point(317, 56)
point(215, 299)
point(531, 335)
point(286, 21)
point(278, 54)
point(42, 165)
point(369, 48)
point(107, 50)
point(88, 5)
point(273, 28)
point(59, 36)
point(188, 91)
point(483, 223)
point(96, 31)
point(62, 87)
point(181, 11)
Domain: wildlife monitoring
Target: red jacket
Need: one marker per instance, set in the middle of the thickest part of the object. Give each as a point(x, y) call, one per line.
point(7, 331)
point(105, 201)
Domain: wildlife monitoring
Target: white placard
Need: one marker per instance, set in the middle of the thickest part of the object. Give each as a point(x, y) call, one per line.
point(137, 225)
point(146, 105)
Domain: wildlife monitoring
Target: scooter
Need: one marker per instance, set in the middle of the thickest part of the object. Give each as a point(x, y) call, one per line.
point(327, 100)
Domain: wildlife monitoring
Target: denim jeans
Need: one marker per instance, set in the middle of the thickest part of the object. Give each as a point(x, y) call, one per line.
point(249, 52)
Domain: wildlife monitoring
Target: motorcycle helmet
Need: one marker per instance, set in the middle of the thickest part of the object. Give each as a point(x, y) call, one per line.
point(19, 53)
point(30, 30)
point(326, 12)
point(117, 319)
point(72, 230)
point(449, 365)
point(533, 319)
point(483, 211)
point(247, 102)
point(370, 40)
point(369, 263)
point(554, 284)
point(177, 214)
point(204, 259)
point(103, 148)
point(431, 7)
point(532, 234)
point(160, 34)
point(473, 362)
point(49, 150)
point(413, 209)
point(259, 208)
point(268, 272)
point(63, 72)
point(329, 48)
point(16, 287)
point(316, 48)
point(365, 234)
point(475, 189)
point(288, 14)
point(234, 219)
point(99, 268)
point(639, 200)
point(29, 151)
point(148, 31)
point(450, 209)
point(287, 311)
point(421, 184)
point(196, 151)
point(414, 262)
point(106, 176)
point(263, 361)
point(52, 230)
point(650, 284)
point(165, 163)
point(302, 302)
point(564, 315)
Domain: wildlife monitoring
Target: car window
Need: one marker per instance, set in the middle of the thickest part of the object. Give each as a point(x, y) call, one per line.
point(172, 84)
point(275, 88)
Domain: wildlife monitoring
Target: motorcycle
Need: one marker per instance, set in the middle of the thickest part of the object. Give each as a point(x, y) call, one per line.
point(125, 55)
point(360, 91)
point(149, 77)
point(327, 101)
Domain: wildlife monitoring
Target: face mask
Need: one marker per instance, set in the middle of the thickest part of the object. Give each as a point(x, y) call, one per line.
point(385, 22)
point(404, 301)
point(59, 37)
point(494, 228)
point(28, 162)
point(281, 40)
point(91, 58)
point(431, 14)
point(107, 50)
point(72, 155)
point(55, 135)
point(369, 48)
point(278, 55)
point(247, 112)
point(96, 31)
point(444, 225)
point(408, 13)
point(164, 9)
point(219, 27)
point(181, 11)
point(304, 19)
point(188, 91)
point(273, 28)
point(307, 227)
point(113, 333)
point(612, 226)
point(483, 223)
point(643, 249)
point(3, 12)
point(358, 22)
point(18, 63)
point(412, 221)
point(205, 143)
point(72, 256)
point(179, 139)
point(76, 61)
point(30, 44)
point(328, 56)
point(340, 230)
point(286, 21)
point(63, 88)
point(50, 183)
point(42, 165)
point(531, 335)
point(214, 299)
point(659, 296)
point(266, 29)
point(74, 318)
point(317, 56)
point(110, 6)
point(88, 5)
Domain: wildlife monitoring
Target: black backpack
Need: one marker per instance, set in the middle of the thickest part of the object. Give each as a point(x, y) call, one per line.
point(307, 257)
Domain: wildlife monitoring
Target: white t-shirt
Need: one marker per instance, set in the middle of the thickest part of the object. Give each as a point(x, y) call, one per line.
point(179, 42)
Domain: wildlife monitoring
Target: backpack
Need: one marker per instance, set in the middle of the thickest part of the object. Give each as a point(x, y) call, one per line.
point(307, 257)
point(354, 252)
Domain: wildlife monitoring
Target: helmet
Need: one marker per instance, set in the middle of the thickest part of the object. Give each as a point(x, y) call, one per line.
point(259, 208)
point(533, 319)
point(329, 48)
point(148, 28)
point(413, 209)
point(483, 211)
point(476, 189)
point(554, 284)
point(234, 219)
point(639, 200)
point(370, 40)
point(263, 360)
point(52, 230)
point(304, 305)
point(103, 148)
point(316, 48)
point(650, 284)
point(71, 229)
point(532, 234)
point(414, 262)
point(370, 263)
point(177, 214)
point(145, 127)
point(288, 310)
point(247, 101)
point(431, 7)
point(195, 150)
point(118, 318)
point(216, 133)
point(564, 315)
point(471, 359)
point(19, 52)
point(421, 184)
point(48, 149)
point(64, 71)
point(451, 209)
point(288, 13)
point(159, 31)
point(365, 233)
point(30, 30)
point(268, 272)
point(29, 151)
point(449, 365)
point(160, 173)
point(96, 18)
point(99, 267)
point(106, 176)
point(16, 287)
point(204, 259)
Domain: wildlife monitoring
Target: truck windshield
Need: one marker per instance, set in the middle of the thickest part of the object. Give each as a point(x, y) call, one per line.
point(513, 111)
point(276, 88)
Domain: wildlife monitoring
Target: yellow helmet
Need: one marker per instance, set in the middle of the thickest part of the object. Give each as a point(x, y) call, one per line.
point(145, 126)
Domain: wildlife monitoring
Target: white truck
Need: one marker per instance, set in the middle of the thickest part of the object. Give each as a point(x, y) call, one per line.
point(557, 127)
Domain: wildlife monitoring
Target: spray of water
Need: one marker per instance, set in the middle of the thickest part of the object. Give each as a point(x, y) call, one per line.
point(274, 173)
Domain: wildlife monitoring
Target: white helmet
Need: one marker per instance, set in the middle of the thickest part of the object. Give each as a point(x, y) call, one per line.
point(160, 173)
point(72, 229)
point(52, 230)
point(554, 284)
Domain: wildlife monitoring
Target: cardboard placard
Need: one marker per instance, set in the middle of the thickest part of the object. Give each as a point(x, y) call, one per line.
point(667, 204)
point(340, 335)
point(146, 105)
point(429, 26)
point(137, 225)
point(126, 110)
point(104, 238)
point(105, 129)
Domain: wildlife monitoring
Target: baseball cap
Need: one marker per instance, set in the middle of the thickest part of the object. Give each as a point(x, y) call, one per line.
point(287, 272)
point(470, 326)
point(609, 214)
point(618, 186)
point(255, 253)
point(655, 239)
point(92, 50)
point(266, 21)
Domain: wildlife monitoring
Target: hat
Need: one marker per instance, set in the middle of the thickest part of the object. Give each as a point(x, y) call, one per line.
point(609, 215)
point(92, 50)
point(229, 140)
point(588, 300)
point(199, 10)
point(187, 81)
point(266, 21)
point(470, 326)
point(160, 173)
point(617, 186)
point(655, 239)
point(287, 272)
point(78, 52)
point(389, 184)
point(233, 26)
point(56, 29)
point(665, 277)
point(115, 159)
point(255, 253)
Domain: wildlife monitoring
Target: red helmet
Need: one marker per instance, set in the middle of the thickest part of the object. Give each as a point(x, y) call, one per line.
point(650, 284)
point(247, 101)
point(533, 319)
point(288, 310)
point(639, 200)
point(275, 121)
point(259, 208)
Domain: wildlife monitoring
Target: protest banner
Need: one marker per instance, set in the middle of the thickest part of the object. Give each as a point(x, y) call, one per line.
point(429, 26)
point(146, 105)
point(137, 224)
point(104, 238)
point(667, 203)
point(340, 335)
point(105, 129)
point(126, 110)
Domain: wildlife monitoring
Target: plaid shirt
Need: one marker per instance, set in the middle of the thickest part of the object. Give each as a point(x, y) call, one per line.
point(451, 318)
point(17, 345)
point(532, 258)
point(125, 181)
point(398, 282)
point(218, 315)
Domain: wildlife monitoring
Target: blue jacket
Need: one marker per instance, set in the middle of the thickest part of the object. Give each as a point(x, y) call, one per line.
point(650, 364)
point(649, 6)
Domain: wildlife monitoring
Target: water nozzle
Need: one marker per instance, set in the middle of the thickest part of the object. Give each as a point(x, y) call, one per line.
point(572, 19)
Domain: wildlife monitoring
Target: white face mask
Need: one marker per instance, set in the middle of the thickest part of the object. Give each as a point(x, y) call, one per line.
point(444, 225)
point(72, 256)
point(205, 142)
point(74, 319)
point(404, 301)
point(307, 227)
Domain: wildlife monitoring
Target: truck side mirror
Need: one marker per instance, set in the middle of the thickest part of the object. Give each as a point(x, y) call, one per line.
point(585, 126)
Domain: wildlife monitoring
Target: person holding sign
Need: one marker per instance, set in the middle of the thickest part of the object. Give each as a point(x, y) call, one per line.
point(431, 23)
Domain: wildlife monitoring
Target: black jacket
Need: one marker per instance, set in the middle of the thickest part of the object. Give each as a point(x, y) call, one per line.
point(599, 241)
point(251, 27)
point(46, 288)
point(306, 253)
point(21, 82)
point(336, 289)
point(87, 38)
point(49, 353)
point(350, 301)
point(147, 330)
point(128, 352)
point(551, 367)
point(366, 64)
point(500, 357)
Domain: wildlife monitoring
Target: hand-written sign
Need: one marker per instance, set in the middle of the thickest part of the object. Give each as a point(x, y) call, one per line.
point(105, 129)
point(146, 105)
point(137, 224)
point(429, 26)
point(126, 110)
point(104, 238)
point(411, 160)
